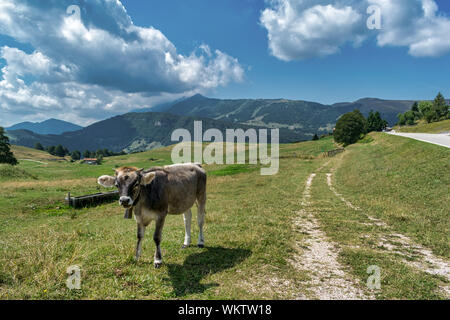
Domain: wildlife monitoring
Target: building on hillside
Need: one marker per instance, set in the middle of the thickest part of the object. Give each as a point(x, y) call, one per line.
point(92, 161)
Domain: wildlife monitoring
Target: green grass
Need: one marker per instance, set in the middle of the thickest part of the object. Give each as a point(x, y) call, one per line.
point(248, 230)
point(358, 240)
point(405, 182)
point(434, 127)
point(233, 169)
point(8, 172)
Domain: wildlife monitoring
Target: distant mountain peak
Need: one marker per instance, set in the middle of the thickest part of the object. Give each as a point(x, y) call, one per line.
point(197, 96)
point(49, 126)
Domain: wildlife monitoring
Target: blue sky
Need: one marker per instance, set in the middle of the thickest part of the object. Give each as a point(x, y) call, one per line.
point(116, 57)
point(233, 26)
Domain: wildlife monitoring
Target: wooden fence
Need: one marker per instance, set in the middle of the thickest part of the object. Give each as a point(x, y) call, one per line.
point(334, 152)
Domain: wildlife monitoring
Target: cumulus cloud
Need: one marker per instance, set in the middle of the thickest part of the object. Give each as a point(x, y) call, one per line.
point(101, 53)
point(301, 29)
point(415, 24)
point(305, 29)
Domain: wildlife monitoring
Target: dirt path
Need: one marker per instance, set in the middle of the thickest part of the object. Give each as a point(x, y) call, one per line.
point(40, 162)
point(318, 255)
point(414, 254)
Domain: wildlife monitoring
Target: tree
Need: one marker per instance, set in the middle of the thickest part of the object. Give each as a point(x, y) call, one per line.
point(375, 123)
point(316, 137)
point(430, 116)
point(415, 107)
point(350, 127)
point(86, 154)
point(6, 156)
point(410, 117)
point(401, 119)
point(424, 107)
point(51, 150)
point(440, 106)
point(39, 146)
point(76, 155)
point(59, 151)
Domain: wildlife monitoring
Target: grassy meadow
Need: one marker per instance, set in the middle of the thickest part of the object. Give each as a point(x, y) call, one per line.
point(402, 182)
point(248, 230)
point(423, 127)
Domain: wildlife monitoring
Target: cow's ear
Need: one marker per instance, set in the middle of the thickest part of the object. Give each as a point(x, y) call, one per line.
point(106, 181)
point(147, 178)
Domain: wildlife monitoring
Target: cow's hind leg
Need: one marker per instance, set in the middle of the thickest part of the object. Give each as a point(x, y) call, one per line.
point(201, 211)
point(187, 216)
point(157, 236)
point(140, 237)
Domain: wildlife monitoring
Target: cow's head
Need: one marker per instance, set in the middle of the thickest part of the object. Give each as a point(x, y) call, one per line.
point(128, 180)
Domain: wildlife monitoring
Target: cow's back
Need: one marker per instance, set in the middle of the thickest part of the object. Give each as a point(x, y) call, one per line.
point(185, 183)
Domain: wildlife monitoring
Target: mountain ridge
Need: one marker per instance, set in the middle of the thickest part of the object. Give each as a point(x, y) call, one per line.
point(312, 116)
point(137, 131)
point(133, 132)
point(49, 126)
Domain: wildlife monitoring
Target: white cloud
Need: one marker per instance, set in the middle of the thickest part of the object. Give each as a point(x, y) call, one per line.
point(304, 29)
point(301, 29)
point(104, 55)
point(416, 24)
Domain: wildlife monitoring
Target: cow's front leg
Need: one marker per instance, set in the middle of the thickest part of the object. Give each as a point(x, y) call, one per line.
point(140, 237)
point(157, 238)
point(187, 228)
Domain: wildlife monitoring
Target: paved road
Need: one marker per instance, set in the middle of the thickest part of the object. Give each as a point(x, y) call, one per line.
point(439, 139)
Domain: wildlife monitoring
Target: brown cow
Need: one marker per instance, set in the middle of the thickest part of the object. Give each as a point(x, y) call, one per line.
point(152, 194)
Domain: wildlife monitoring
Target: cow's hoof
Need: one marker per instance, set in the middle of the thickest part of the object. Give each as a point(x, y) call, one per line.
point(184, 246)
point(158, 265)
point(201, 245)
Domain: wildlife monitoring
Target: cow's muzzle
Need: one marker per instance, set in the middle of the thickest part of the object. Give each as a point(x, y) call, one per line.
point(126, 202)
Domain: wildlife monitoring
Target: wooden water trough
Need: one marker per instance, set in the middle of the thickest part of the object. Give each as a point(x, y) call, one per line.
point(91, 199)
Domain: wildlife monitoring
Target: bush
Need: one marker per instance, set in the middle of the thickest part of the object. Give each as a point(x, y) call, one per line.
point(38, 146)
point(430, 111)
point(6, 156)
point(9, 172)
point(76, 155)
point(350, 128)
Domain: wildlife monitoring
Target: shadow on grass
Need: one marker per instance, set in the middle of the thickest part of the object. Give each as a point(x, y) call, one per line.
point(186, 278)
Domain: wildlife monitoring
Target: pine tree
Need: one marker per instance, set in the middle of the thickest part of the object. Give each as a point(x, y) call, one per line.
point(38, 146)
point(51, 150)
point(6, 156)
point(76, 155)
point(374, 122)
point(439, 106)
point(59, 151)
